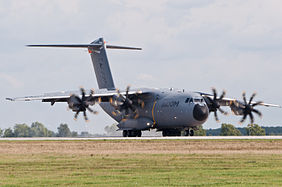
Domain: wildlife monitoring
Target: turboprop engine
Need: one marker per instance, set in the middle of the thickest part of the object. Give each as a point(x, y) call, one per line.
point(77, 104)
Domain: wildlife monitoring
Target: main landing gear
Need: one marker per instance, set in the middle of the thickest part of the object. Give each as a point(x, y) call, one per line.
point(177, 132)
point(132, 133)
point(171, 132)
point(189, 132)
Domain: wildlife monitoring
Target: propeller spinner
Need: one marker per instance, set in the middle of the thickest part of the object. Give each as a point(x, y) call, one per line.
point(215, 104)
point(248, 108)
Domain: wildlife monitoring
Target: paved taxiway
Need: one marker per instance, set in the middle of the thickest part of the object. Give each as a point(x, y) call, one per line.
point(154, 138)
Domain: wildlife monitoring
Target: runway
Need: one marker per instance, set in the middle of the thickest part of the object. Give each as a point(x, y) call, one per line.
point(148, 138)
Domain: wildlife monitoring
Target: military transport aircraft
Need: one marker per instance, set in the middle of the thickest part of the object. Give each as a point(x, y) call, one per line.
point(168, 110)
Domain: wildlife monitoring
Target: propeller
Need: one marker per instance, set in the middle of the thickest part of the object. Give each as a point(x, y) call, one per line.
point(215, 105)
point(78, 104)
point(122, 104)
point(248, 108)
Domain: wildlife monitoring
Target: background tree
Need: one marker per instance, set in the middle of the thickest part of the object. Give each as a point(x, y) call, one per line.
point(273, 130)
point(1, 132)
point(85, 134)
point(64, 131)
point(50, 134)
point(22, 130)
point(255, 130)
point(38, 130)
point(8, 133)
point(229, 130)
point(74, 134)
point(200, 131)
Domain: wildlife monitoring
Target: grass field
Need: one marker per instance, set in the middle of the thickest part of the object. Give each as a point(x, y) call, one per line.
point(141, 163)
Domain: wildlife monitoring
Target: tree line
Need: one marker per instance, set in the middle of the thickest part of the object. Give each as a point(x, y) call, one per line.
point(250, 130)
point(37, 130)
point(225, 130)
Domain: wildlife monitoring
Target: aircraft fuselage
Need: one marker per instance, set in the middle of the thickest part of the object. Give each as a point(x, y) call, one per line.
point(166, 109)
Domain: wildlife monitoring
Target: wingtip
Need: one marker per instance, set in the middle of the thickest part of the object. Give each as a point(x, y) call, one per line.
point(28, 45)
point(10, 99)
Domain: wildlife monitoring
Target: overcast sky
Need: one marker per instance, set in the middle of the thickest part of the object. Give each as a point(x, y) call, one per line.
point(191, 44)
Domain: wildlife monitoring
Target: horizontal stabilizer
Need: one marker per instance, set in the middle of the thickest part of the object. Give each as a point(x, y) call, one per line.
point(69, 45)
point(122, 47)
point(93, 46)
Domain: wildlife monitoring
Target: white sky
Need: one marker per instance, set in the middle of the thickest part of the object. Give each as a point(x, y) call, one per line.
point(191, 44)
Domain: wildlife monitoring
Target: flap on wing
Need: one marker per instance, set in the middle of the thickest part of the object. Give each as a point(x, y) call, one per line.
point(39, 97)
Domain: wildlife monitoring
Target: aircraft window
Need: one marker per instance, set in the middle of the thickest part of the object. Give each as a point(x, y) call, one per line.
point(157, 97)
point(191, 100)
point(197, 100)
point(187, 100)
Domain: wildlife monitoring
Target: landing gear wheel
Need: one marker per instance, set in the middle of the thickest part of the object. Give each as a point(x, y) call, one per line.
point(191, 133)
point(130, 133)
point(171, 132)
point(186, 133)
point(125, 133)
point(139, 133)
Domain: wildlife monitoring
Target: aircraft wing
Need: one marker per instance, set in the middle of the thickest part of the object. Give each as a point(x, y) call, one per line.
point(229, 101)
point(103, 95)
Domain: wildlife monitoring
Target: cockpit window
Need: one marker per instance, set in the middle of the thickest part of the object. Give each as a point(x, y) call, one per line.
point(197, 100)
point(187, 100)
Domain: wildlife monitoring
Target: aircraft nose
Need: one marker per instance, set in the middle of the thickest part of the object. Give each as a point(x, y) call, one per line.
point(200, 113)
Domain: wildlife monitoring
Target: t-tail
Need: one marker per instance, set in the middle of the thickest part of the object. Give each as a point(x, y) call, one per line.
point(97, 50)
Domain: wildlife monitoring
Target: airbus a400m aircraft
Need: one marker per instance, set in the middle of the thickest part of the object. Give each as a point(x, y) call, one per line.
point(168, 110)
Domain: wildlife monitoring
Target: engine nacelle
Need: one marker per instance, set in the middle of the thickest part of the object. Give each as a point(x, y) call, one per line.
point(74, 103)
point(136, 124)
point(236, 109)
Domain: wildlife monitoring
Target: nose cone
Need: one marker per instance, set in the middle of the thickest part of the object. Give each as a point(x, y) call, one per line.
point(200, 113)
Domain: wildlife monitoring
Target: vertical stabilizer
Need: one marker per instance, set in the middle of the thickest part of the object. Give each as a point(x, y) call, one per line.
point(101, 65)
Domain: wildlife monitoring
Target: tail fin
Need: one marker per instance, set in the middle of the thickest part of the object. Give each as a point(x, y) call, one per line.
point(99, 59)
point(101, 65)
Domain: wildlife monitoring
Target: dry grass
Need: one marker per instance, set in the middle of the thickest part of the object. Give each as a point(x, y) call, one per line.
point(143, 146)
